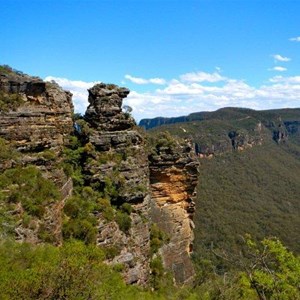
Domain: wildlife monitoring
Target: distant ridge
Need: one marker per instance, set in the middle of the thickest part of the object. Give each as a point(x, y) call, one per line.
point(225, 113)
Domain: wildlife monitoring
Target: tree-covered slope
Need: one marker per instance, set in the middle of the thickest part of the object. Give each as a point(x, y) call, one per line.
point(255, 191)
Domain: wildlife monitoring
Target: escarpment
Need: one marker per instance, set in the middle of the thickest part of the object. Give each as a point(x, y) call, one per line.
point(173, 180)
point(230, 129)
point(35, 120)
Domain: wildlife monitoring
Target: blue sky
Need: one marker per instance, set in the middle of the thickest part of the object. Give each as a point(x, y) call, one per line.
point(176, 57)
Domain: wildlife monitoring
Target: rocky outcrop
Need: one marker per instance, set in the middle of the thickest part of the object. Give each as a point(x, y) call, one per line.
point(118, 162)
point(36, 119)
point(292, 127)
point(242, 139)
point(173, 179)
point(44, 117)
point(280, 132)
point(105, 109)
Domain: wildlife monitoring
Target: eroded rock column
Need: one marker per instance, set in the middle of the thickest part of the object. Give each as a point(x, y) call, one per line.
point(119, 161)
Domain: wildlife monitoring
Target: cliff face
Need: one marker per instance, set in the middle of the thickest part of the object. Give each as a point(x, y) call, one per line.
point(39, 123)
point(119, 159)
point(173, 179)
point(44, 117)
point(293, 127)
point(36, 118)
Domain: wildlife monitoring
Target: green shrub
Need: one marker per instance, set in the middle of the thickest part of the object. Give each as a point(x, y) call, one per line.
point(9, 101)
point(273, 272)
point(32, 208)
point(72, 207)
point(126, 208)
point(110, 188)
point(109, 157)
point(77, 177)
point(157, 273)
point(73, 271)
point(47, 154)
point(106, 209)
point(157, 238)
point(27, 186)
point(5, 69)
point(118, 267)
point(85, 129)
point(111, 251)
point(26, 220)
point(124, 221)
point(7, 152)
point(80, 229)
point(45, 234)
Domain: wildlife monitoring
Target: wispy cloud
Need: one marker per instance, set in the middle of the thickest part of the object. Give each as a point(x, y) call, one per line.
point(202, 77)
point(278, 57)
point(139, 80)
point(295, 39)
point(278, 68)
point(287, 80)
point(78, 88)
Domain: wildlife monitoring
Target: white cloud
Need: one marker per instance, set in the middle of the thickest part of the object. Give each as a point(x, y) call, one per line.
point(202, 77)
point(157, 80)
point(287, 80)
point(295, 39)
point(136, 80)
point(278, 68)
point(278, 57)
point(182, 97)
point(139, 80)
point(79, 90)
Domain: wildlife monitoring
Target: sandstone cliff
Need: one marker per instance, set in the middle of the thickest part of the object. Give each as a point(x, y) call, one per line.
point(43, 117)
point(36, 118)
point(173, 180)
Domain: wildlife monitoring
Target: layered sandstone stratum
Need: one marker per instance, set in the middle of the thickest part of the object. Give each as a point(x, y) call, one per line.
point(36, 119)
point(173, 179)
